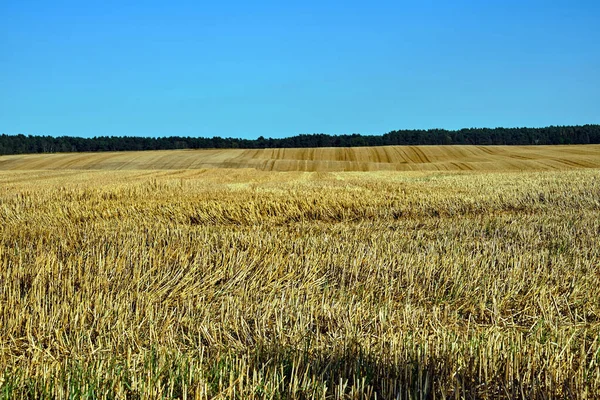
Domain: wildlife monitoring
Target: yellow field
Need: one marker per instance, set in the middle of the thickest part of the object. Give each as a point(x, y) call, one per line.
point(394, 158)
point(173, 280)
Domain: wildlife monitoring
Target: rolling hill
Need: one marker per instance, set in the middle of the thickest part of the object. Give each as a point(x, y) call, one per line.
point(399, 158)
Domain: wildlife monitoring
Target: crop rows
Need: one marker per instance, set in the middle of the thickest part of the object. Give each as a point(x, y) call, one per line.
point(381, 158)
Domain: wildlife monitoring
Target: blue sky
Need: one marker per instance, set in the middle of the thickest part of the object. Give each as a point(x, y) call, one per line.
point(246, 69)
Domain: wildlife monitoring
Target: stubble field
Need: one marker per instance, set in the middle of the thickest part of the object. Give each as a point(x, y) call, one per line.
point(163, 282)
point(384, 158)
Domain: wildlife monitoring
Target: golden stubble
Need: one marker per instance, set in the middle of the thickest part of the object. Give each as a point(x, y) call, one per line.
point(249, 284)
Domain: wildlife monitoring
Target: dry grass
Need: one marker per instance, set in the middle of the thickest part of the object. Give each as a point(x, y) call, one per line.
point(249, 284)
point(386, 158)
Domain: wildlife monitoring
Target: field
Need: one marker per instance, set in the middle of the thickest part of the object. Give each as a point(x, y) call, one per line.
point(459, 272)
point(386, 158)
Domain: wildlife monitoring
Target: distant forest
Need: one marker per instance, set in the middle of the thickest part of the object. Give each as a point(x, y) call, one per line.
point(581, 134)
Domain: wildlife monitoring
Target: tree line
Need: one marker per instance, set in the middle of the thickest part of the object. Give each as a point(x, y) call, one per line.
point(579, 134)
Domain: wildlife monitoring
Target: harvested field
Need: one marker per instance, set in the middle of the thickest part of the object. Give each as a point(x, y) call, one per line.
point(158, 282)
point(393, 158)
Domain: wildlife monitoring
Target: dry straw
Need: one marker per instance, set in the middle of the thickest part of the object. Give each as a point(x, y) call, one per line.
point(243, 284)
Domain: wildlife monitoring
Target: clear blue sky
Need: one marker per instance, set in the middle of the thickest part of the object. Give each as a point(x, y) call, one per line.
point(279, 68)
